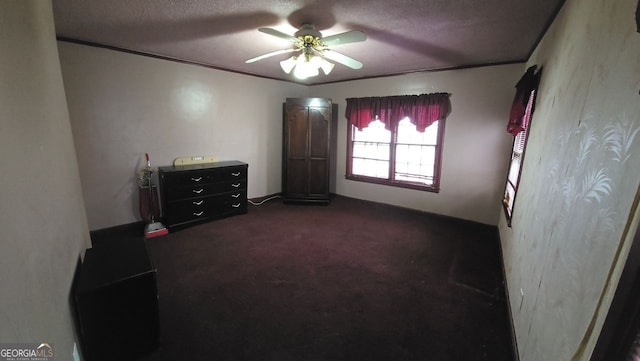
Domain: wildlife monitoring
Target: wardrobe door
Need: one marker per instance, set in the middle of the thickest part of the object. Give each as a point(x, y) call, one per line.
point(296, 133)
point(318, 160)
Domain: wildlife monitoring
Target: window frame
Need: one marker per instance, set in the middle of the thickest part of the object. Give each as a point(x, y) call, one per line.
point(435, 187)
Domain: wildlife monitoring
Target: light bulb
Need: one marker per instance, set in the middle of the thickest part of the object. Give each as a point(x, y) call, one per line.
point(305, 70)
point(305, 67)
point(288, 64)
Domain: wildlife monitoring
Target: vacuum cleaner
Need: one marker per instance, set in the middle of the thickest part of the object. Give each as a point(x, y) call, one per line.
point(153, 228)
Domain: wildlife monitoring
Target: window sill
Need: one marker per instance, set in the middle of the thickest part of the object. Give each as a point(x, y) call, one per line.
point(415, 186)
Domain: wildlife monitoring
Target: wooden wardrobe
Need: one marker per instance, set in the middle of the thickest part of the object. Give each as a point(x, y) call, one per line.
point(306, 150)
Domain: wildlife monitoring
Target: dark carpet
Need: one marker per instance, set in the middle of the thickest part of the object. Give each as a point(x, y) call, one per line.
point(354, 280)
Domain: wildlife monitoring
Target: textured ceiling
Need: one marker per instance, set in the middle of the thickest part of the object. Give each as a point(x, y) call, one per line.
point(402, 35)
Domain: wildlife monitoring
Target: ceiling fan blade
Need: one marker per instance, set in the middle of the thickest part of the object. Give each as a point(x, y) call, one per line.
point(267, 55)
point(280, 34)
point(342, 59)
point(354, 36)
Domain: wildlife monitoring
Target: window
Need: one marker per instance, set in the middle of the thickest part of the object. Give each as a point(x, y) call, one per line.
point(517, 156)
point(519, 123)
point(397, 153)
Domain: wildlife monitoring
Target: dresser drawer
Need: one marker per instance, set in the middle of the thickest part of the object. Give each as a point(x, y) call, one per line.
point(207, 207)
point(201, 190)
point(177, 192)
point(200, 177)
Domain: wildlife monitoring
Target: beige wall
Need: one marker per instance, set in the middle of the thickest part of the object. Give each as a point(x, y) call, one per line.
point(123, 106)
point(579, 179)
point(476, 145)
point(42, 215)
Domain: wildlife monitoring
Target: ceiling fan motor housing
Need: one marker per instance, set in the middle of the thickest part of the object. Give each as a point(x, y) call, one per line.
point(308, 33)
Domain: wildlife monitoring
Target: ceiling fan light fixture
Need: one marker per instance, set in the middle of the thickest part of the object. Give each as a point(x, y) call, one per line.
point(305, 69)
point(287, 65)
point(314, 51)
point(306, 65)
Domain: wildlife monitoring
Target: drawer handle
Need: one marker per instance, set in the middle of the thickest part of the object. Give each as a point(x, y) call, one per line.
point(198, 214)
point(197, 191)
point(198, 203)
point(235, 174)
point(236, 205)
point(196, 179)
point(235, 195)
point(235, 185)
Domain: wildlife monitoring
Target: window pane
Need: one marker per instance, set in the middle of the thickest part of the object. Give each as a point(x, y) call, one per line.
point(431, 134)
point(514, 169)
point(382, 152)
point(359, 149)
point(371, 168)
point(371, 151)
point(402, 153)
point(401, 168)
point(428, 156)
point(408, 134)
point(518, 145)
point(509, 195)
point(415, 163)
point(375, 132)
point(415, 153)
point(357, 165)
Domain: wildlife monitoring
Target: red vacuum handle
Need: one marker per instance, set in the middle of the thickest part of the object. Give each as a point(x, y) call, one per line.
point(147, 156)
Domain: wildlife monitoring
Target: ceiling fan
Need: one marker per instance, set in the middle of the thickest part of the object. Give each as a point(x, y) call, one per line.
point(313, 50)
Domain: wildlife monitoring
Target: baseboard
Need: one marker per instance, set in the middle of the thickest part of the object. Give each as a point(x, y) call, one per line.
point(430, 214)
point(514, 340)
point(139, 225)
point(256, 201)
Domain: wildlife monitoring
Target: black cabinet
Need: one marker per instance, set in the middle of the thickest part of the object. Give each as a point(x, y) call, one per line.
point(192, 194)
point(306, 150)
point(116, 300)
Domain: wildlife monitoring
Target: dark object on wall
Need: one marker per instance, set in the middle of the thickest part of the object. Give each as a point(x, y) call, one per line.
point(619, 336)
point(638, 16)
point(197, 193)
point(306, 150)
point(116, 300)
point(518, 117)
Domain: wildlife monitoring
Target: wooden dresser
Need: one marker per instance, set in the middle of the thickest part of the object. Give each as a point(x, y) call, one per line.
point(192, 194)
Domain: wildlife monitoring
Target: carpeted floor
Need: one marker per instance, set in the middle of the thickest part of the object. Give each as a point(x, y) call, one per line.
point(350, 281)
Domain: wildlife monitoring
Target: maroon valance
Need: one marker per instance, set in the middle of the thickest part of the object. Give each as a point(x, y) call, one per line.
point(423, 110)
point(517, 117)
